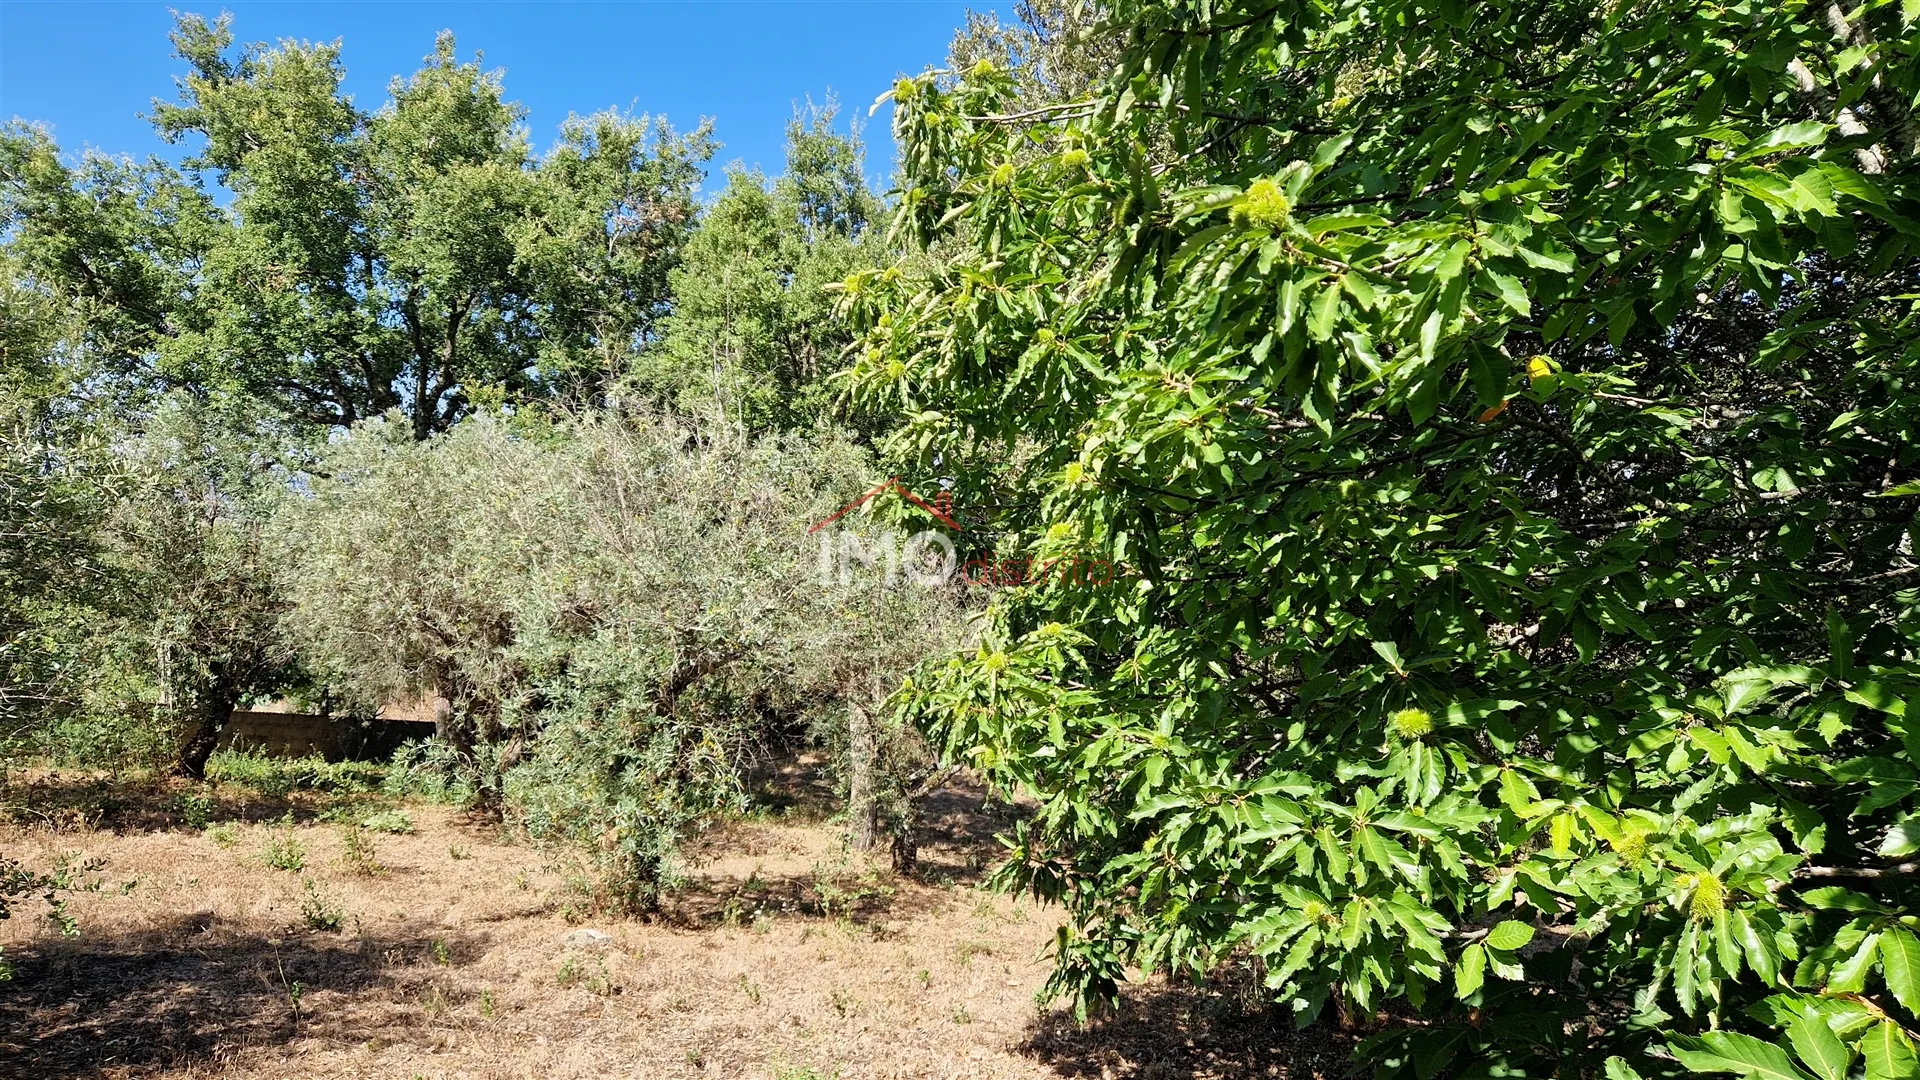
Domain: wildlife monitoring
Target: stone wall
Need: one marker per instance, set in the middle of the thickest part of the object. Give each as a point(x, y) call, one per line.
point(337, 738)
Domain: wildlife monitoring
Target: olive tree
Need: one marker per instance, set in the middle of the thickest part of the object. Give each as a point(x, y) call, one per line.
point(191, 629)
point(50, 506)
point(618, 610)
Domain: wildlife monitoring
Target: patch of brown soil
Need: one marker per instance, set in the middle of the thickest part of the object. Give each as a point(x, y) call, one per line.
point(783, 959)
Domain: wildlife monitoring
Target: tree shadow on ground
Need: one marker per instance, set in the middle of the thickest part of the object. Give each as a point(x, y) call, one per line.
point(196, 991)
point(70, 802)
point(862, 899)
point(957, 844)
point(794, 785)
point(1220, 1032)
point(959, 829)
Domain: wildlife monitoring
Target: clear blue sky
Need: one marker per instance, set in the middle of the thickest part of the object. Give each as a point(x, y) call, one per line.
point(90, 70)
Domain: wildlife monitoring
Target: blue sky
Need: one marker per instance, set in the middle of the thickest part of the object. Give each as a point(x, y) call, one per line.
point(90, 70)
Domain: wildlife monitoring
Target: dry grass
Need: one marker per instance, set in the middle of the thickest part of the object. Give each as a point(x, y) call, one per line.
point(782, 960)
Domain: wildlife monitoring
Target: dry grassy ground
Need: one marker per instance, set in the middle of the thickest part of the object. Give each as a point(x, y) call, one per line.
point(198, 959)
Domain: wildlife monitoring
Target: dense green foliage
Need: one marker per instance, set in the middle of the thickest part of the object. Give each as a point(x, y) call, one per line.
point(48, 510)
point(191, 625)
point(1053, 51)
point(130, 572)
point(418, 257)
point(751, 334)
point(1506, 412)
point(1502, 417)
point(617, 612)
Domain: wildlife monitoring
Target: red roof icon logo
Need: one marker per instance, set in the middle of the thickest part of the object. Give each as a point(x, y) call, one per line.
point(941, 507)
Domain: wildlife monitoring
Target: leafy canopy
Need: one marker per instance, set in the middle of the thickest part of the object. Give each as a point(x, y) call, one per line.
point(419, 257)
point(752, 334)
point(618, 609)
point(1506, 410)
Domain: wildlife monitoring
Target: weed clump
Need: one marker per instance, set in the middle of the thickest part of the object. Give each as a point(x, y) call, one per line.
point(283, 850)
point(276, 778)
point(357, 853)
point(318, 909)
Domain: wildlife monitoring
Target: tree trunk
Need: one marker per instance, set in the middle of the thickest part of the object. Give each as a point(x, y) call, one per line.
point(490, 786)
point(863, 810)
point(453, 730)
point(906, 824)
point(212, 708)
point(906, 843)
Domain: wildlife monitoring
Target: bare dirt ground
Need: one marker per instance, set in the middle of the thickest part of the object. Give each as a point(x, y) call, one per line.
point(782, 960)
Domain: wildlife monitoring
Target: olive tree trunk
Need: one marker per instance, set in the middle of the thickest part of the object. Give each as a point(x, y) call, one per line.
point(863, 807)
point(211, 710)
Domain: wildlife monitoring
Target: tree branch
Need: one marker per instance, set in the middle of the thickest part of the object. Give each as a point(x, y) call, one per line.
point(1902, 870)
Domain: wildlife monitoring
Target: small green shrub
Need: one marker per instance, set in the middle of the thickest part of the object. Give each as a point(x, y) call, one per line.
point(397, 822)
point(431, 771)
point(320, 911)
point(590, 975)
point(196, 807)
point(284, 851)
point(223, 835)
point(357, 853)
point(842, 887)
point(268, 776)
point(279, 777)
point(72, 872)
